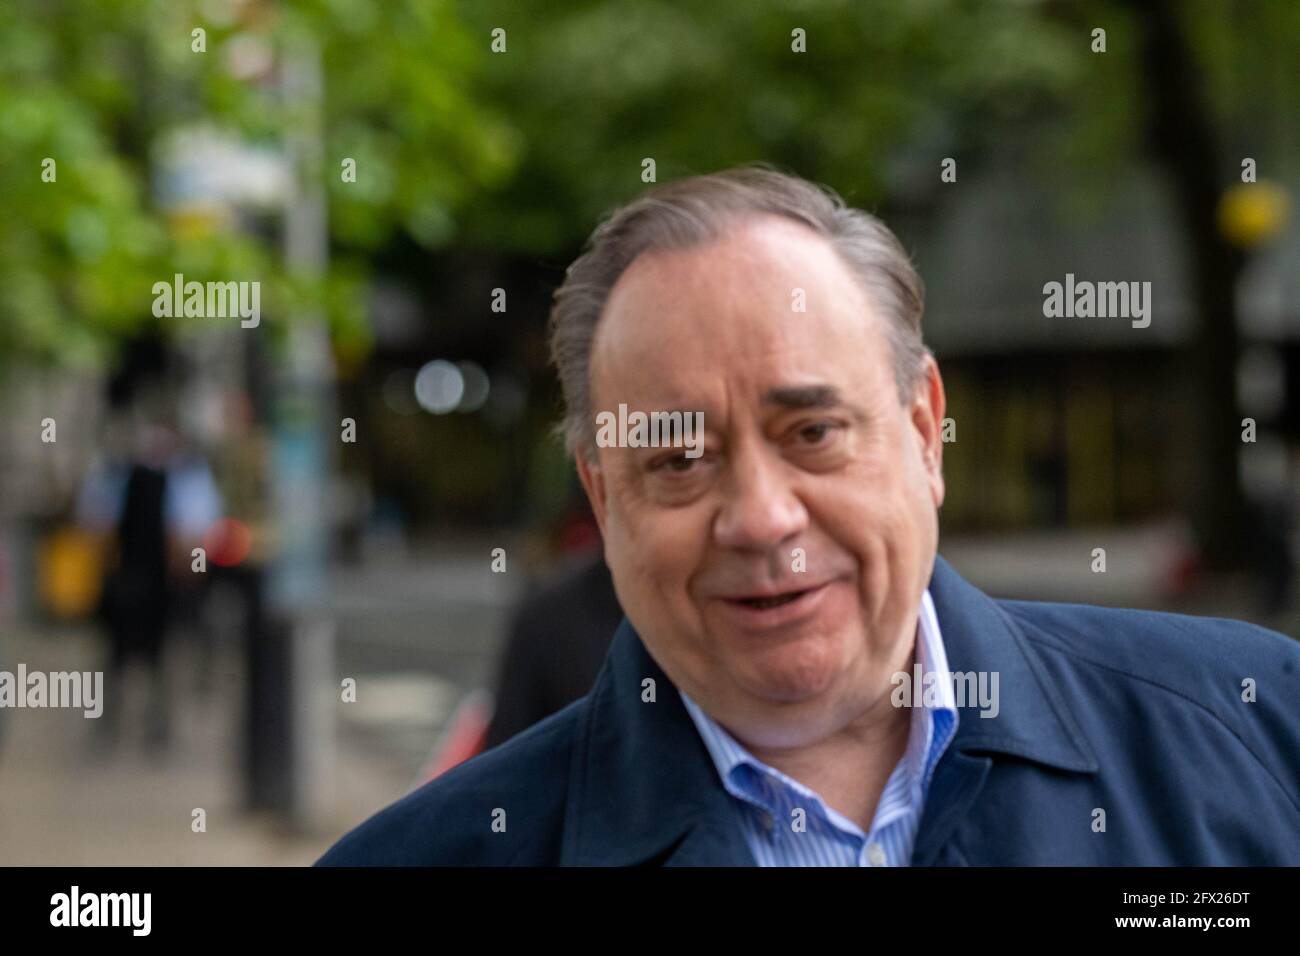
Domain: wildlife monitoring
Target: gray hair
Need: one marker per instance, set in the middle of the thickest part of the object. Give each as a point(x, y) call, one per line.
point(693, 211)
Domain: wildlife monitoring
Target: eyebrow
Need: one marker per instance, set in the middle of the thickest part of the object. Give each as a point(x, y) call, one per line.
point(793, 397)
point(802, 397)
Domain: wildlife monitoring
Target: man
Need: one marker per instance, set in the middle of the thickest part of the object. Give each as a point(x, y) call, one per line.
point(781, 589)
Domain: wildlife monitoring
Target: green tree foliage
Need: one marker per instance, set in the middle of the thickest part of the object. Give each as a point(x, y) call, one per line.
point(98, 86)
point(521, 151)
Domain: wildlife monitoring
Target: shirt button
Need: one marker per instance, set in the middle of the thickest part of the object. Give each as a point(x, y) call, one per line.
point(769, 821)
point(876, 854)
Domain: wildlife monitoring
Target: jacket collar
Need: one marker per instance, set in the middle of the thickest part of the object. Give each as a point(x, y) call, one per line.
point(643, 788)
point(1033, 721)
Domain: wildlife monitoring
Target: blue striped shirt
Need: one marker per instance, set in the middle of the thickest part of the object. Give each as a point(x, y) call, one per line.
point(768, 802)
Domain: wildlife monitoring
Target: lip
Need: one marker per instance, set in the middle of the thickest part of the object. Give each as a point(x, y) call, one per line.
point(752, 618)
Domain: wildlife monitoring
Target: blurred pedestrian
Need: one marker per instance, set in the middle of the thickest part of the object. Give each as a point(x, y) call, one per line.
point(157, 503)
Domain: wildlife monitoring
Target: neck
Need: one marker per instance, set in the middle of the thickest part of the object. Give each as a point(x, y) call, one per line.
point(849, 768)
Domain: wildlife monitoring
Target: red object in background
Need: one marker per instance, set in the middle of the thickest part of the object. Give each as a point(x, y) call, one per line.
point(228, 542)
point(578, 533)
point(465, 735)
point(1185, 574)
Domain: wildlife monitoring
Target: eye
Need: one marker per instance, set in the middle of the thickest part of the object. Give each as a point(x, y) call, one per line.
point(678, 464)
point(815, 433)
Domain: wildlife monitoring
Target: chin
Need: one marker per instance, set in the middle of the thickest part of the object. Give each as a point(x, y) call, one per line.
point(796, 672)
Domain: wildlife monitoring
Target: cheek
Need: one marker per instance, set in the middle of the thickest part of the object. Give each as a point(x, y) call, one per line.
point(869, 509)
point(881, 513)
point(652, 554)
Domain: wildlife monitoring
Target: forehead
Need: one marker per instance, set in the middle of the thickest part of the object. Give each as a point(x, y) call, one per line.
point(682, 323)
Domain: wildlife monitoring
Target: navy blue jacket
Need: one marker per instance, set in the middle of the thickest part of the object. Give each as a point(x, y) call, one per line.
point(1137, 713)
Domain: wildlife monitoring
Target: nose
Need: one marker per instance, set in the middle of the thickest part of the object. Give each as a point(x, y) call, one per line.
point(760, 509)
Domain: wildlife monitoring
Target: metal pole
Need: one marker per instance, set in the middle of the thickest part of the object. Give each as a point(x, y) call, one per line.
point(306, 435)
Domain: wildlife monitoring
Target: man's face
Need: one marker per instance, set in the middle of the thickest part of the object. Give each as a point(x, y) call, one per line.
point(809, 461)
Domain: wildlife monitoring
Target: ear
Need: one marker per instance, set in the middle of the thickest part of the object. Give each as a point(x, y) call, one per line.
point(928, 407)
point(593, 483)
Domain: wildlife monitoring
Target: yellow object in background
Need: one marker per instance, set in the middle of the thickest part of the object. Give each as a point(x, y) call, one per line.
point(1252, 213)
point(69, 570)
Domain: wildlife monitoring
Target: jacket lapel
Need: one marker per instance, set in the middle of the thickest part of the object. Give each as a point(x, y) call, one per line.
point(1032, 722)
point(643, 790)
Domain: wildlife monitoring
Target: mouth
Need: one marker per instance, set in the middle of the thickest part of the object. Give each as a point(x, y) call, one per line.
point(775, 610)
point(777, 600)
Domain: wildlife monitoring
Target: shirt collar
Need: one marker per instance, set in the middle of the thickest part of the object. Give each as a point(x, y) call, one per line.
point(938, 723)
point(931, 724)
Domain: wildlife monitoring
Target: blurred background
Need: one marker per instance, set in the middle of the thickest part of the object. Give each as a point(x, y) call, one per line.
point(408, 180)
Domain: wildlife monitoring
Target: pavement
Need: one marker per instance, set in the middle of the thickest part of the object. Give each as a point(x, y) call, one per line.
point(66, 800)
point(418, 634)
